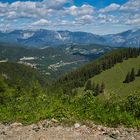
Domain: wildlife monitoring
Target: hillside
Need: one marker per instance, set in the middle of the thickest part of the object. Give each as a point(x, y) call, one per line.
point(114, 77)
point(53, 61)
point(78, 77)
point(14, 73)
point(62, 100)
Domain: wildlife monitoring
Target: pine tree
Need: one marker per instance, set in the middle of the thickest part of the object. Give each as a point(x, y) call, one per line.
point(127, 78)
point(132, 75)
point(102, 87)
point(138, 73)
point(88, 85)
point(3, 88)
point(93, 87)
point(97, 89)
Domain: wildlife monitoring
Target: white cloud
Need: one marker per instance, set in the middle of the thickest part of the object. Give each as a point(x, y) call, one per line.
point(102, 18)
point(110, 8)
point(79, 11)
point(53, 4)
point(86, 19)
point(23, 5)
point(131, 6)
point(41, 22)
point(128, 13)
point(56, 13)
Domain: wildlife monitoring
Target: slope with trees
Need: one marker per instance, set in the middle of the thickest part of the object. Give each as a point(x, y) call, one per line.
point(95, 101)
point(78, 77)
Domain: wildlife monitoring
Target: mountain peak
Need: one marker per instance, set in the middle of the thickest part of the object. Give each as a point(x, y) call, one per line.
point(43, 37)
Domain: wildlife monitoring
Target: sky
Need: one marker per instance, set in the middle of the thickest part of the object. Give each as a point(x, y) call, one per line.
point(95, 16)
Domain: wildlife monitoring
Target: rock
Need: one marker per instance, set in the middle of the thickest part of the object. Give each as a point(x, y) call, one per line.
point(129, 138)
point(13, 125)
point(114, 134)
point(45, 124)
point(76, 125)
point(100, 128)
point(83, 127)
point(35, 127)
point(54, 120)
point(130, 130)
point(59, 127)
point(3, 133)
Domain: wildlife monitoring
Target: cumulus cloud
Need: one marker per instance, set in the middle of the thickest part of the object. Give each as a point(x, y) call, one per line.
point(110, 8)
point(131, 6)
point(41, 22)
point(86, 19)
point(30, 9)
point(107, 19)
point(128, 13)
point(79, 11)
point(65, 13)
point(53, 4)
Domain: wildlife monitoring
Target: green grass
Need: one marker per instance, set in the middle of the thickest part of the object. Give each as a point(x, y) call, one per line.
point(114, 77)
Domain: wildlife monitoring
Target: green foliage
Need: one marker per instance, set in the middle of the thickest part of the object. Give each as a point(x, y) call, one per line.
point(114, 77)
point(102, 87)
point(132, 75)
point(78, 77)
point(21, 75)
point(28, 107)
point(97, 89)
point(88, 85)
point(26, 101)
point(138, 73)
point(127, 78)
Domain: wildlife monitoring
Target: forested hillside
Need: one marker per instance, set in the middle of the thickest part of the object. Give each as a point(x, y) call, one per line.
point(53, 61)
point(14, 73)
point(78, 77)
point(73, 97)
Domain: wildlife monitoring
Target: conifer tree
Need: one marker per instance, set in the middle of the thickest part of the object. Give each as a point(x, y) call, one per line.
point(97, 89)
point(138, 73)
point(2, 91)
point(127, 78)
point(102, 87)
point(88, 85)
point(132, 75)
point(93, 87)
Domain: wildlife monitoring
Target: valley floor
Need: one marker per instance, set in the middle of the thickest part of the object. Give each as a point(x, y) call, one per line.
point(42, 131)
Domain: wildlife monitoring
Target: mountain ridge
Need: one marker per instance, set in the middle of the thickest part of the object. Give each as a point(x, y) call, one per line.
point(45, 38)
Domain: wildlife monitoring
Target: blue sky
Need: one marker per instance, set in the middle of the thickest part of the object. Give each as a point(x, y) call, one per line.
point(96, 16)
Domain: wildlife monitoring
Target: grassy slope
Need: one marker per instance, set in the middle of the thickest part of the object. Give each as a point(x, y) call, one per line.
point(114, 77)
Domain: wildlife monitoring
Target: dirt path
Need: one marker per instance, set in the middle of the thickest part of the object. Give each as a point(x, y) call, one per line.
point(44, 131)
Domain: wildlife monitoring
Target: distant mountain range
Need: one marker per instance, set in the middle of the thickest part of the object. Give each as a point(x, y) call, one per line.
point(44, 38)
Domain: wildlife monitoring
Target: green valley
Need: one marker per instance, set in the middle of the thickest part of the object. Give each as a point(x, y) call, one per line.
point(68, 99)
point(53, 61)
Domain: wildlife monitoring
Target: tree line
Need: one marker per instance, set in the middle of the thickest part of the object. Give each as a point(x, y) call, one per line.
point(78, 77)
point(96, 88)
point(130, 77)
